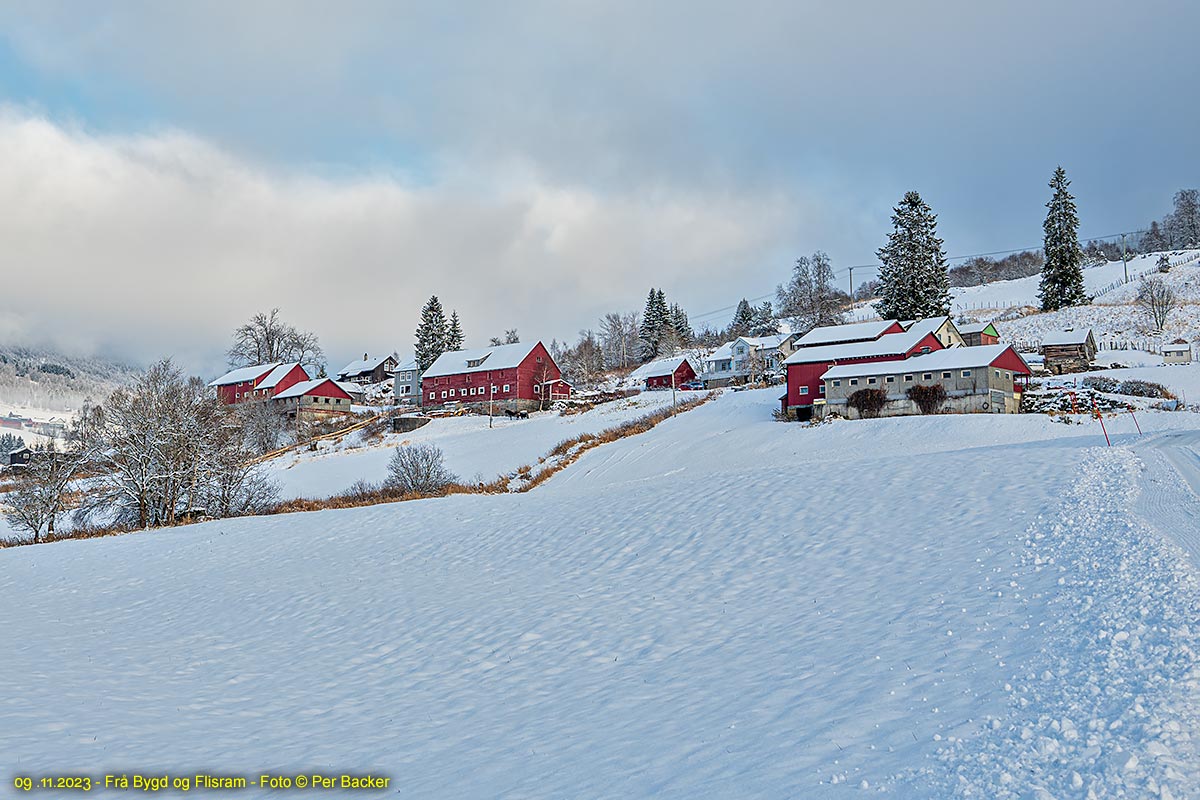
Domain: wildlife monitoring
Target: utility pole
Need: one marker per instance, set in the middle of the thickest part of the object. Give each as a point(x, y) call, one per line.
point(1124, 263)
point(851, 284)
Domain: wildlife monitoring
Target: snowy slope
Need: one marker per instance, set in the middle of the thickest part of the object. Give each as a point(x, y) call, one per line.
point(472, 450)
point(722, 607)
point(1024, 291)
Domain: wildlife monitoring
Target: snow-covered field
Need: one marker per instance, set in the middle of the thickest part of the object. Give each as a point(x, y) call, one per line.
point(471, 449)
point(726, 606)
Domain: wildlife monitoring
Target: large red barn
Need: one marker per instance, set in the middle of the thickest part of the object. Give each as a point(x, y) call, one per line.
point(806, 366)
point(517, 376)
point(258, 382)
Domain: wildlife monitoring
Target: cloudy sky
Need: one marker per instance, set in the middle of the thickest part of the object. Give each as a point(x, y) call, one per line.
point(168, 169)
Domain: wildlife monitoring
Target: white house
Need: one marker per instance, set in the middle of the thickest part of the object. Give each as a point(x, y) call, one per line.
point(1177, 352)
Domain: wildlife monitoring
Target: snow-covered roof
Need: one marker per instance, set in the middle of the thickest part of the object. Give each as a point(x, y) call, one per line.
point(1176, 347)
point(351, 388)
point(892, 344)
point(276, 375)
point(973, 327)
point(927, 325)
point(855, 332)
point(1067, 337)
point(304, 387)
point(363, 365)
point(949, 359)
point(243, 374)
point(765, 342)
point(407, 366)
point(722, 353)
point(481, 359)
point(661, 368)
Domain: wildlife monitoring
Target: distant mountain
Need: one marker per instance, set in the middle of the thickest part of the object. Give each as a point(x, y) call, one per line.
point(42, 379)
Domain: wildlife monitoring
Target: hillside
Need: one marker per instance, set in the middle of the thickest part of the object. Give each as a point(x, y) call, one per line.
point(715, 608)
point(42, 383)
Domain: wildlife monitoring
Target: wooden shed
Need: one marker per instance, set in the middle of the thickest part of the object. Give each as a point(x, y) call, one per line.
point(1068, 351)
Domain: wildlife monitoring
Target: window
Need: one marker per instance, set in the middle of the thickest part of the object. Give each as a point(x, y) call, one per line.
point(405, 389)
point(443, 394)
point(872, 381)
point(908, 378)
point(891, 378)
point(928, 376)
point(506, 387)
point(432, 395)
point(926, 349)
point(854, 381)
point(947, 374)
point(966, 373)
point(803, 390)
point(837, 383)
point(1007, 376)
point(821, 388)
point(997, 373)
point(539, 359)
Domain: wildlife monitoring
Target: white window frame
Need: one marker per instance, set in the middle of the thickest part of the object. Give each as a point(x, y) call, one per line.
point(926, 376)
point(891, 379)
point(947, 374)
point(854, 381)
point(803, 390)
point(872, 381)
point(966, 373)
point(908, 378)
point(506, 388)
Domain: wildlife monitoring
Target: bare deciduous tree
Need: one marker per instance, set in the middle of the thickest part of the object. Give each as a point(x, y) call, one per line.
point(419, 469)
point(1158, 300)
point(266, 339)
point(38, 501)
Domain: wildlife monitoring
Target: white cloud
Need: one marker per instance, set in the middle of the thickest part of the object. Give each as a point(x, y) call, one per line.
point(161, 244)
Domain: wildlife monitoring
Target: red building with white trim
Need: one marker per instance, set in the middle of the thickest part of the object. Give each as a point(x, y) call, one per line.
point(516, 376)
point(806, 366)
point(258, 382)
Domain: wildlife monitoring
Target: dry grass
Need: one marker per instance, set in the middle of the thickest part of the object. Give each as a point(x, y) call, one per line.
point(363, 494)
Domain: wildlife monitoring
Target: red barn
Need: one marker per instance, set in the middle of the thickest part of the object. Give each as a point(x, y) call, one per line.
point(259, 382)
point(806, 366)
point(318, 397)
point(663, 373)
point(517, 376)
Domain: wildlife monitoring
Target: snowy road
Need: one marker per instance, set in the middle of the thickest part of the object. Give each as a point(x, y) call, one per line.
point(1170, 498)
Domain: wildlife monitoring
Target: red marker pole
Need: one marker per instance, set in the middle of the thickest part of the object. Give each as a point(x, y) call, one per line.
point(1135, 422)
point(1101, 418)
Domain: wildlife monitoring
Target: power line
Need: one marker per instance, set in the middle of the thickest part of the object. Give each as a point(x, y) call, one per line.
point(876, 266)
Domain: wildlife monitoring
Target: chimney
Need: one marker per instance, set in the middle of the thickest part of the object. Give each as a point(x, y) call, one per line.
point(364, 356)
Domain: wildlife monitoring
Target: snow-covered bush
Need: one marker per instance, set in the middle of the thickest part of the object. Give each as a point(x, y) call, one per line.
point(419, 469)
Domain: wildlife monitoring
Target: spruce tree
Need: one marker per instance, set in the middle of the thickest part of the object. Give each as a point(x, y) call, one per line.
point(431, 333)
point(1062, 272)
point(454, 334)
point(743, 320)
point(655, 321)
point(681, 326)
point(765, 323)
point(913, 280)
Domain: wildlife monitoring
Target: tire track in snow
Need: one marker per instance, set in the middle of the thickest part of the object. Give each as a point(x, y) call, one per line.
point(1109, 705)
point(1170, 498)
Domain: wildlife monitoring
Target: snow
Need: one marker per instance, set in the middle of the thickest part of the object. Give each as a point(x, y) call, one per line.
point(359, 366)
point(949, 359)
point(833, 334)
point(471, 449)
point(1182, 379)
point(891, 344)
point(481, 359)
point(725, 606)
point(243, 374)
point(304, 387)
point(1066, 337)
point(656, 369)
point(276, 375)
